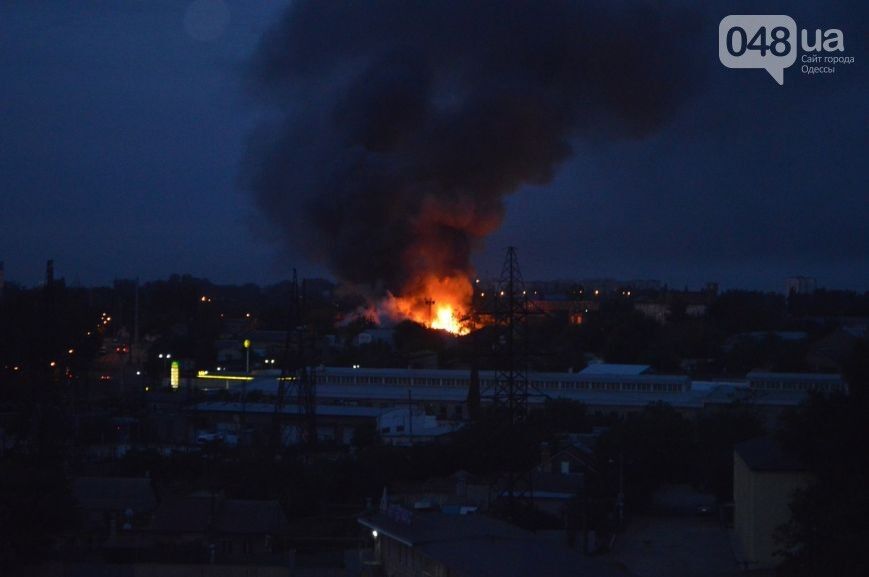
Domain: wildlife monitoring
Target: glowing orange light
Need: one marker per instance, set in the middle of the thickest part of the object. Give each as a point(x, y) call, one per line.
point(438, 303)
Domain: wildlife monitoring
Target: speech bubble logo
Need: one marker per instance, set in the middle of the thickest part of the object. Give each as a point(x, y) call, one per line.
point(758, 41)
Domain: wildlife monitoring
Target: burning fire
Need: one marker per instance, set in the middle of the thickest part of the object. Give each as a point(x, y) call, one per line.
point(438, 303)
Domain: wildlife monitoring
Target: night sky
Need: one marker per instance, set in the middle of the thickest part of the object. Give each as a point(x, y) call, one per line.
point(123, 127)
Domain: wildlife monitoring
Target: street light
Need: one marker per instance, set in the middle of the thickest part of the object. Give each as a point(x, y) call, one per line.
point(246, 344)
point(165, 358)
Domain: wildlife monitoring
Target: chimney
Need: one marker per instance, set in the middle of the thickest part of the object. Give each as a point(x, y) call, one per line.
point(545, 458)
point(712, 289)
point(49, 273)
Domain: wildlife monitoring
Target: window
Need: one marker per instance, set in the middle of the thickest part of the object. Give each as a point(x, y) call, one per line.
point(565, 467)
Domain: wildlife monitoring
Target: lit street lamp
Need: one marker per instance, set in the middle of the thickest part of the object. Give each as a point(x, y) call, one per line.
point(246, 344)
point(166, 357)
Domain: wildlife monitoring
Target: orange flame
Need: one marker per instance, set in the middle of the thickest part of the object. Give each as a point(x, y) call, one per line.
point(438, 303)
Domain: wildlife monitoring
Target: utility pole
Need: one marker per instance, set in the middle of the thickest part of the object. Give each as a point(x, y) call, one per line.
point(429, 302)
point(410, 413)
point(297, 370)
point(135, 344)
point(306, 382)
point(620, 500)
point(289, 364)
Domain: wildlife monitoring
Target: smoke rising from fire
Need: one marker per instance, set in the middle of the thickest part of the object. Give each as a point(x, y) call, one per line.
point(397, 127)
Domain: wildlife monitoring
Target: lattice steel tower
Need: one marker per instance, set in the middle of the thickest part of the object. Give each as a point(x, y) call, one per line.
point(509, 392)
point(297, 372)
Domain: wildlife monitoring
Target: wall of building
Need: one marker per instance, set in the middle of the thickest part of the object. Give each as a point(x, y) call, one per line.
point(399, 560)
point(761, 505)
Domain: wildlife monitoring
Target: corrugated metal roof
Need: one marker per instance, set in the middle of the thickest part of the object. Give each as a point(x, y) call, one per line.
point(322, 410)
point(614, 369)
point(801, 377)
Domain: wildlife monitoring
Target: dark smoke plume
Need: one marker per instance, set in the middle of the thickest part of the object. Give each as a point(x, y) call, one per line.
point(399, 126)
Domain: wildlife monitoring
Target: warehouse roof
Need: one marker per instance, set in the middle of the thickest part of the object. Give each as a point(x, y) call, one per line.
point(321, 410)
point(614, 369)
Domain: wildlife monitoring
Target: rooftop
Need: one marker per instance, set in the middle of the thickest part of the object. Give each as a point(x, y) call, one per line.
point(807, 377)
point(614, 369)
point(764, 454)
point(321, 410)
point(479, 546)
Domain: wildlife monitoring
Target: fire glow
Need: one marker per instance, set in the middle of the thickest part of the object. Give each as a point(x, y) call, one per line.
point(437, 303)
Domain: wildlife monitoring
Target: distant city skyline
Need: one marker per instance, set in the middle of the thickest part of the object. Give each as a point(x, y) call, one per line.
point(799, 283)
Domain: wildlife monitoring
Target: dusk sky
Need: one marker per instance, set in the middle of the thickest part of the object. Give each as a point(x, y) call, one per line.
point(124, 125)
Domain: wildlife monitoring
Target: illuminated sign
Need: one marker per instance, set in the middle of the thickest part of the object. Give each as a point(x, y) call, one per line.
point(206, 375)
point(174, 375)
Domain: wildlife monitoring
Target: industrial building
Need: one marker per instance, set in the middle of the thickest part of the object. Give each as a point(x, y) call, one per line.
point(605, 389)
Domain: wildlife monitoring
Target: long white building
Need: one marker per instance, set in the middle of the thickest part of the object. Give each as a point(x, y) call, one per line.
point(603, 388)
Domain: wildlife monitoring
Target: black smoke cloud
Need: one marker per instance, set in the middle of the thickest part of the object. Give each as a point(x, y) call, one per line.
point(396, 128)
